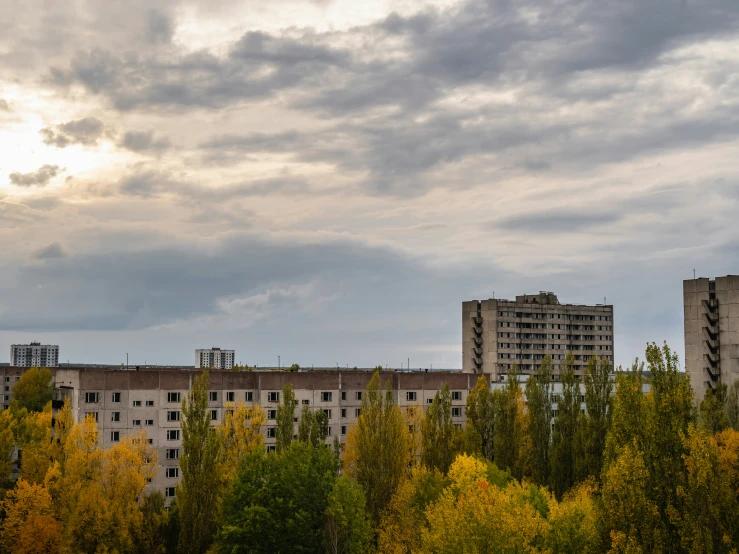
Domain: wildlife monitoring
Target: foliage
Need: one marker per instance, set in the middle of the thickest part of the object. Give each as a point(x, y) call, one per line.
point(713, 413)
point(285, 418)
point(24, 502)
point(538, 392)
point(278, 501)
point(377, 447)
point(239, 434)
point(510, 425)
point(732, 405)
point(347, 529)
point(565, 432)
point(313, 426)
point(573, 523)
point(33, 390)
point(441, 440)
point(480, 412)
point(151, 537)
point(597, 420)
point(7, 443)
point(198, 490)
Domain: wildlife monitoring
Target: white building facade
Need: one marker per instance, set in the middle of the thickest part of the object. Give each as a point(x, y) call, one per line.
point(214, 358)
point(34, 354)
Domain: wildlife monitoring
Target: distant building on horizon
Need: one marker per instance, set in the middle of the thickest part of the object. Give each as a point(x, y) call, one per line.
point(214, 358)
point(499, 333)
point(711, 332)
point(34, 354)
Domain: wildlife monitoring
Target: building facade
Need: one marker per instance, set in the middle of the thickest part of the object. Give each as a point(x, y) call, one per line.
point(711, 309)
point(214, 358)
point(34, 354)
point(124, 402)
point(499, 333)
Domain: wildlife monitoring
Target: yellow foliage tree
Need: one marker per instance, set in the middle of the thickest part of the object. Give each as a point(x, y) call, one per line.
point(21, 505)
point(35, 439)
point(573, 522)
point(239, 434)
point(7, 443)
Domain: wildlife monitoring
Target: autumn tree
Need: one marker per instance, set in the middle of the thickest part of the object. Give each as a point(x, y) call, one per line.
point(597, 420)
point(22, 507)
point(347, 529)
point(509, 429)
point(239, 434)
point(629, 412)
point(198, 490)
point(377, 454)
point(38, 443)
point(313, 426)
point(441, 440)
point(33, 390)
point(573, 522)
point(480, 412)
point(732, 405)
point(155, 519)
point(7, 444)
point(562, 475)
point(285, 418)
point(713, 414)
point(538, 392)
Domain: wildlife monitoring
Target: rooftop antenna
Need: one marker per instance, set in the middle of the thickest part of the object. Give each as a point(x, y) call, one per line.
point(694, 275)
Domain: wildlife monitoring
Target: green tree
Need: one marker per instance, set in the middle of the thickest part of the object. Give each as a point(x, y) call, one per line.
point(538, 393)
point(154, 523)
point(377, 452)
point(33, 390)
point(509, 430)
point(285, 418)
point(732, 405)
point(313, 426)
point(480, 412)
point(347, 529)
point(713, 413)
point(629, 413)
point(441, 440)
point(597, 420)
point(198, 489)
point(565, 432)
point(7, 444)
point(278, 502)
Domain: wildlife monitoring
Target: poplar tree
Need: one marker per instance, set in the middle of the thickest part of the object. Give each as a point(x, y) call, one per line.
point(480, 412)
point(597, 421)
point(285, 418)
point(441, 440)
point(197, 491)
point(562, 475)
point(713, 415)
point(313, 426)
point(508, 432)
point(538, 393)
point(732, 405)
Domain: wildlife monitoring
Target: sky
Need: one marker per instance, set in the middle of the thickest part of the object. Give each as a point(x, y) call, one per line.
point(326, 181)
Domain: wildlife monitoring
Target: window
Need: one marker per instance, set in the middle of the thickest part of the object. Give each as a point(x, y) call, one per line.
point(172, 397)
point(91, 397)
point(410, 396)
point(273, 396)
point(136, 423)
point(172, 472)
point(358, 395)
point(116, 397)
point(250, 396)
point(173, 453)
point(173, 416)
point(328, 413)
point(150, 441)
point(456, 412)
point(213, 415)
point(329, 431)
point(93, 414)
point(115, 416)
point(270, 432)
point(230, 396)
point(356, 412)
point(137, 403)
point(149, 403)
point(456, 395)
point(343, 412)
point(343, 395)
point(115, 436)
point(306, 402)
point(149, 422)
point(326, 397)
point(173, 434)
point(213, 396)
point(429, 401)
point(458, 426)
point(169, 492)
point(271, 414)
point(343, 429)
point(271, 448)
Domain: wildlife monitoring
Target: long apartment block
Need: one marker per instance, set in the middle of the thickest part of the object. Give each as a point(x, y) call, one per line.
point(127, 401)
point(711, 331)
point(499, 333)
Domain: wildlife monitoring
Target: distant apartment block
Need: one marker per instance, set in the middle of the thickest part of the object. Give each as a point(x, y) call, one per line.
point(499, 333)
point(214, 358)
point(34, 354)
point(711, 331)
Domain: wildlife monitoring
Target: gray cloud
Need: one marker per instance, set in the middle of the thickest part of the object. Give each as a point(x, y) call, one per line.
point(4, 106)
point(53, 250)
point(85, 131)
point(144, 141)
point(159, 27)
point(557, 221)
point(40, 177)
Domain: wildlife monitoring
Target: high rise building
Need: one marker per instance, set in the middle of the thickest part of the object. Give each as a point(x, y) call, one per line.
point(214, 358)
point(711, 331)
point(499, 333)
point(34, 354)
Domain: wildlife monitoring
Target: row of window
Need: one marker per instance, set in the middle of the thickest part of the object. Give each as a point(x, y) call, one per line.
point(518, 325)
point(570, 317)
point(558, 336)
point(535, 346)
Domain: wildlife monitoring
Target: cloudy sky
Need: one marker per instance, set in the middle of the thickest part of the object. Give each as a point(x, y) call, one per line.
point(328, 180)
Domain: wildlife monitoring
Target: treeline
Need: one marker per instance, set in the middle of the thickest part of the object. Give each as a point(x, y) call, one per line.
point(531, 472)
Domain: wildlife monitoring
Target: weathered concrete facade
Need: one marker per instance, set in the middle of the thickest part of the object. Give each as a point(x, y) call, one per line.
point(498, 333)
point(711, 309)
point(127, 401)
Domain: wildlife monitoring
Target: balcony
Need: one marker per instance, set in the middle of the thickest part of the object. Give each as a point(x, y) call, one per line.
point(714, 360)
point(713, 334)
point(712, 319)
point(477, 320)
point(478, 340)
point(477, 330)
point(478, 352)
point(713, 373)
point(712, 345)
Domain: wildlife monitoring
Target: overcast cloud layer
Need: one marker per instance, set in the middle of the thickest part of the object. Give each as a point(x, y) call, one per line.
point(327, 181)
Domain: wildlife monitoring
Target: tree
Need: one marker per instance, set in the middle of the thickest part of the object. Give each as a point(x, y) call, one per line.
point(562, 475)
point(313, 426)
point(277, 502)
point(20, 506)
point(538, 393)
point(7, 443)
point(713, 416)
point(629, 413)
point(377, 454)
point(732, 405)
point(441, 440)
point(480, 412)
point(509, 431)
point(36, 442)
point(151, 539)
point(597, 420)
point(348, 529)
point(33, 390)
point(197, 491)
point(239, 434)
point(285, 418)
point(573, 523)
